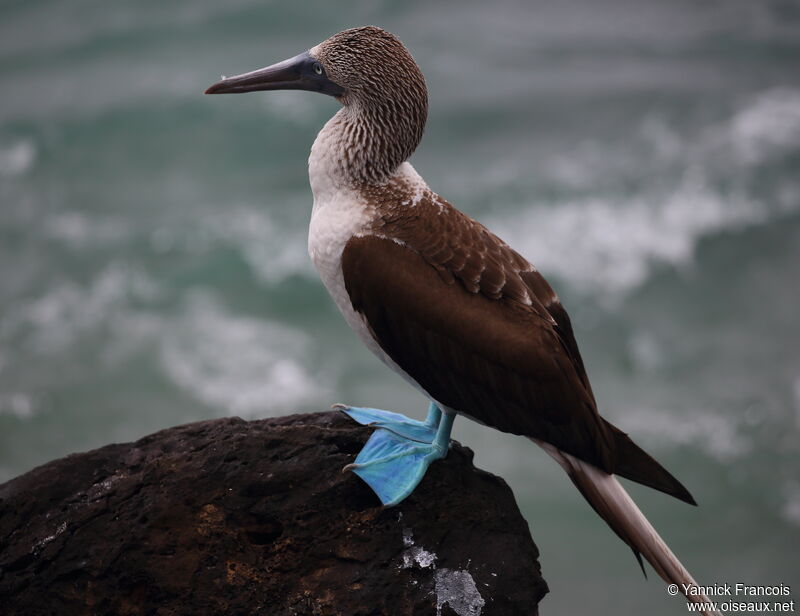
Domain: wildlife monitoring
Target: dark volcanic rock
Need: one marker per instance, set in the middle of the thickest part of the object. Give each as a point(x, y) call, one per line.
point(234, 517)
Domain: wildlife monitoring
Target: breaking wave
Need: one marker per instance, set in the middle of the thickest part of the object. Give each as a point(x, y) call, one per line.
point(610, 244)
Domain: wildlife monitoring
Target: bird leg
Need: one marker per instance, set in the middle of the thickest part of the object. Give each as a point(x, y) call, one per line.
point(398, 454)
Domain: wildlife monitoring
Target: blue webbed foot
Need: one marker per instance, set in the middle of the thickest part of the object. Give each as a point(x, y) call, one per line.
point(421, 431)
point(392, 463)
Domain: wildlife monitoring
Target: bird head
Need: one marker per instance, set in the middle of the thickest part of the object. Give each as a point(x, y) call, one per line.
point(377, 81)
point(365, 66)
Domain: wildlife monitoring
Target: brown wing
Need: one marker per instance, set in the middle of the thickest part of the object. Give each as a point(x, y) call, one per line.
point(483, 333)
point(500, 360)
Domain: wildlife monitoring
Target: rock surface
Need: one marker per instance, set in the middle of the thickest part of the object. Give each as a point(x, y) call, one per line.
point(234, 517)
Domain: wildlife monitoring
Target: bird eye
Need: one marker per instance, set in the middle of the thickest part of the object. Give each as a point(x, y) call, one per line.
point(317, 68)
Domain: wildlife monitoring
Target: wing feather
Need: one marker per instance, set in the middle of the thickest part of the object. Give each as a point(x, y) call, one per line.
point(500, 361)
point(479, 329)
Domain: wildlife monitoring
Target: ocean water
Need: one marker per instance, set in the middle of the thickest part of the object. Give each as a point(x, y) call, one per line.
point(645, 155)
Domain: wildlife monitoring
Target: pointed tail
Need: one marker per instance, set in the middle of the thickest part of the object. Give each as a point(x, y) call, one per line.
point(612, 503)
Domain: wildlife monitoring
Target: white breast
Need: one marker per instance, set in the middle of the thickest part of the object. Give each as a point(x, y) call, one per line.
point(333, 223)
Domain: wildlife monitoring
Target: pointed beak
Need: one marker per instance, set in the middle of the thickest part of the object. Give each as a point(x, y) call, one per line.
point(296, 73)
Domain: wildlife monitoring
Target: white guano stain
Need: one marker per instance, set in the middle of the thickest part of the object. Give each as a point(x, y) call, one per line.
point(457, 589)
point(414, 554)
point(453, 587)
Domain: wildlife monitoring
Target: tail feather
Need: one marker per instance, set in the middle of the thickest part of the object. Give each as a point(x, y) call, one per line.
point(612, 503)
point(637, 465)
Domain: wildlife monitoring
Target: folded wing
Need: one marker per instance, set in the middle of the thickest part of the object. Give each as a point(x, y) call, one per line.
point(483, 333)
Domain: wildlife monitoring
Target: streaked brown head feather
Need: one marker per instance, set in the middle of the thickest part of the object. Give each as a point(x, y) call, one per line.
point(385, 99)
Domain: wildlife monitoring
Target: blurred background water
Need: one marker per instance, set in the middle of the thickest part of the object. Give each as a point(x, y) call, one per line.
point(645, 155)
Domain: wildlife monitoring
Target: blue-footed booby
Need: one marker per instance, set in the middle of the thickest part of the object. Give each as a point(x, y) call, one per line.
point(443, 301)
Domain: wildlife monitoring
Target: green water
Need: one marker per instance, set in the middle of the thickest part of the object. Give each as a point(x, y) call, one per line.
point(646, 156)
